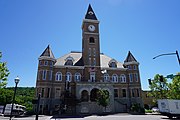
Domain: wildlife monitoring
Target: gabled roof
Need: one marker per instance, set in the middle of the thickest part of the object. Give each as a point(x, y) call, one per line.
point(90, 14)
point(130, 58)
point(47, 53)
point(78, 61)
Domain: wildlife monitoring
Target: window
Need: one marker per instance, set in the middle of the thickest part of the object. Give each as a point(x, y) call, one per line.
point(58, 76)
point(136, 77)
point(115, 93)
point(48, 92)
point(113, 63)
point(130, 77)
point(89, 61)
point(39, 74)
point(92, 76)
point(51, 63)
point(133, 94)
point(44, 75)
point(89, 51)
point(91, 40)
point(45, 63)
point(57, 92)
point(137, 91)
point(42, 92)
point(106, 77)
point(129, 67)
point(115, 78)
point(135, 67)
point(94, 61)
point(94, 94)
point(124, 92)
point(77, 77)
point(123, 78)
point(84, 95)
point(94, 51)
point(40, 62)
point(69, 62)
point(68, 77)
point(50, 75)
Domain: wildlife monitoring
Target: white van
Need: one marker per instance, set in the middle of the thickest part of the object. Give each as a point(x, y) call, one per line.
point(170, 108)
point(18, 110)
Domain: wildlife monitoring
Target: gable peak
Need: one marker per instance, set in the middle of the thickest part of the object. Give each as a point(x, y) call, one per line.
point(90, 13)
point(130, 58)
point(47, 53)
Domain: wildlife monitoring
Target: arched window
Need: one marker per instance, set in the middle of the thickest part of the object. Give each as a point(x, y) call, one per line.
point(69, 60)
point(77, 77)
point(68, 77)
point(94, 94)
point(58, 76)
point(114, 78)
point(84, 96)
point(113, 63)
point(106, 78)
point(123, 78)
point(91, 40)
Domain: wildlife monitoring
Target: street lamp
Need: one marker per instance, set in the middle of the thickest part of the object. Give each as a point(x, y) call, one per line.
point(16, 80)
point(176, 53)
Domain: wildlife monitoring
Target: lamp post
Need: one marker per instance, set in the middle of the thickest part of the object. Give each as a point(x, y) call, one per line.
point(176, 53)
point(16, 80)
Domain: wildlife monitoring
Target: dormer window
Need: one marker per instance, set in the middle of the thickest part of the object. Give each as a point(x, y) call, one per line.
point(69, 60)
point(91, 40)
point(113, 63)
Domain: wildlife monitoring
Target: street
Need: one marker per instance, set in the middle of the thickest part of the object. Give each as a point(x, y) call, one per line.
point(121, 116)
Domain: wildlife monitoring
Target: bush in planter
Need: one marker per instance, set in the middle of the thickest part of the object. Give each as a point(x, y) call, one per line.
point(136, 108)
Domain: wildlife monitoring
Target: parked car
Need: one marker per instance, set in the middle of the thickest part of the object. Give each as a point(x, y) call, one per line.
point(1, 110)
point(155, 109)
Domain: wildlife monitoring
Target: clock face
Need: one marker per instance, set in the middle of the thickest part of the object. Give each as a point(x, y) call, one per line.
point(91, 28)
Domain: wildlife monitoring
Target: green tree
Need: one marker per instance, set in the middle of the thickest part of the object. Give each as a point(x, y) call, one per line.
point(4, 72)
point(159, 89)
point(5, 96)
point(174, 87)
point(24, 96)
point(103, 98)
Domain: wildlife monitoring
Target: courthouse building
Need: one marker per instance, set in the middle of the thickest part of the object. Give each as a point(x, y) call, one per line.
point(82, 74)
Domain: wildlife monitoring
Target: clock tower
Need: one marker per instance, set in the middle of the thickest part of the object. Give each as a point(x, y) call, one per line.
point(90, 39)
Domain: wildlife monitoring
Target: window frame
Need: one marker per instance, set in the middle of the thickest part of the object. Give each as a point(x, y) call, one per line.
point(58, 76)
point(123, 78)
point(76, 76)
point(115, 78)
point(106, 77)
point(116, 93)
point(68, 77)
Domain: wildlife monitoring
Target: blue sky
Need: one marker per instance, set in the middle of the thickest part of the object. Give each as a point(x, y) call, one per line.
point(144, 27)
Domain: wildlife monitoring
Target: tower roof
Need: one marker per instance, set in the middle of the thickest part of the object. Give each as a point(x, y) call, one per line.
point(130, 58)
point(90, 14)
point(47, 53)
